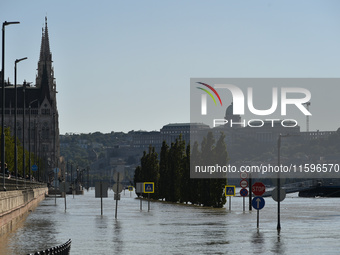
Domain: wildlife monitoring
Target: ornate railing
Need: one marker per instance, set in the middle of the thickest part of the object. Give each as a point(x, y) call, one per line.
point(63, 249)
point(12, 183)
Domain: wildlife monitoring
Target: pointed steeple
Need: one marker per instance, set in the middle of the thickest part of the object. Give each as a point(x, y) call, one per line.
point(45, 76)
point(45, 53)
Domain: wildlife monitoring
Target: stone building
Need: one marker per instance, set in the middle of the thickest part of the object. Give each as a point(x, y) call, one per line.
point(37, 114)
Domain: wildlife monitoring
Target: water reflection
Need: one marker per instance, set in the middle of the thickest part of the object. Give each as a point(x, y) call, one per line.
point(35, 228)
point(278, 245)
point(258, 241)
point(117, 237)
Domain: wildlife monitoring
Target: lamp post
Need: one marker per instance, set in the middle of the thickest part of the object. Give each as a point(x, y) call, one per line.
point(15, 120)
point(278, 183)
point(4, 24)
point(278, 178)
point(29, 137)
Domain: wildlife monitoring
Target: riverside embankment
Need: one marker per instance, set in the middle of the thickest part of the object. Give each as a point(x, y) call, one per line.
point(19, 199)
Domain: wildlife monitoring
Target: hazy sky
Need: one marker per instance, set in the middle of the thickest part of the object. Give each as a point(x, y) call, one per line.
point(126, 65)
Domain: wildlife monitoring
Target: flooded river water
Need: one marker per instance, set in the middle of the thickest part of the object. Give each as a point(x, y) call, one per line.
point(309, 226)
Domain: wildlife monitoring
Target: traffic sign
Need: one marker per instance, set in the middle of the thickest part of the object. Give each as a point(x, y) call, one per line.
point(117, 187)
point(258, 188)
point(130, 188)
point(243, 192)
point(275, 194)
point(230, 190)
point(244, 184)
point(34, 167)
point(100, 189)
point(117, 196)
point(139, 187)
point(149, 187)
point(244, 175)
point(115, 177)
point(258, 203)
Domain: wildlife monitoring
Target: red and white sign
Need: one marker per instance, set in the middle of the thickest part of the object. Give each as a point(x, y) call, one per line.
point(258, 188)
point(244, 175)
point(243, 184)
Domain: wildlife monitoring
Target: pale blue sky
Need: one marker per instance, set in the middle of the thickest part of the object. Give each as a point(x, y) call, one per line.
point(126, 65)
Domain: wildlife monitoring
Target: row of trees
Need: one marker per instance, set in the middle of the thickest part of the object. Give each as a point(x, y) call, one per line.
point(9, 154)
point(171, 172)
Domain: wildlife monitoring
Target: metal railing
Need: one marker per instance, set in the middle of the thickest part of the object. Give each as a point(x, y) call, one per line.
point(63, 249)
point(11, 183)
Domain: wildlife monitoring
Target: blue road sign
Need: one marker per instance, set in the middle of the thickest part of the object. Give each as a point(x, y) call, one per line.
point(149, 187)
point(258, 203)
point(243, 192)
point(34, 167)
point(230, 190)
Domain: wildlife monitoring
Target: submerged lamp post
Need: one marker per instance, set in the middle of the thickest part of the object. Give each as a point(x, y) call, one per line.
point(15, 120)
point(4, 24)
point(29, 138)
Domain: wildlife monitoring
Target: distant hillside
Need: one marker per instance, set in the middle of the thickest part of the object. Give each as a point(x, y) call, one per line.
point(84, 149)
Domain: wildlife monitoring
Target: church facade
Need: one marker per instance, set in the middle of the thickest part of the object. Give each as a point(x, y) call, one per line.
point(37, 114)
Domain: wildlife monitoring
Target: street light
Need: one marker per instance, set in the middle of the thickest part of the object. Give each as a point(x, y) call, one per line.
point(23, 130)
point(278, 178)
point(3, 100)
point(15, 120)
point(29, 138)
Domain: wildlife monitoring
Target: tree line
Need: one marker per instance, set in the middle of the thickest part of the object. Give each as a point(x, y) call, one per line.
point(171, 172)
point(9, 154)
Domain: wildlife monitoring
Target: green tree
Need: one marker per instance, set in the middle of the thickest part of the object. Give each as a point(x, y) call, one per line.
point(208, 154)
point(149, 170)
point(164, 171)
point(185, 180)
point(195, 184)
point(217, 185)
point(176, 155)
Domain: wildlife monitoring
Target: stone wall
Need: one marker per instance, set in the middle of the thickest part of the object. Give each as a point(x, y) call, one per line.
point(16, 204)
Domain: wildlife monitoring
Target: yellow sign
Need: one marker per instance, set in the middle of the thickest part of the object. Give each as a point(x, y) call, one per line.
point(149, 187)
point(230, 190)
point(130, 188)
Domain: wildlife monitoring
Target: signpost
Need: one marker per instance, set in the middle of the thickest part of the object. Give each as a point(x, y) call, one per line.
point(149, 187)
point(130, 188)
point(244, 175)
point(117, 188)
point(258, 203)
point(139, 189)
point(244, 185)
point(244, 192)
point(230, 192)
point(65, 186)
point(101, 191)
point(34, 168)
point(276, 195)
point(258, 188)
point(55, 170)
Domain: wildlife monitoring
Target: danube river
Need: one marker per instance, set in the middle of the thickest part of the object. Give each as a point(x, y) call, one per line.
point(309, 226)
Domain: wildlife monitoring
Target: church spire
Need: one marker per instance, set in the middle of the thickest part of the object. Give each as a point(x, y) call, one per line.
point(45, 53)
point(45, 76)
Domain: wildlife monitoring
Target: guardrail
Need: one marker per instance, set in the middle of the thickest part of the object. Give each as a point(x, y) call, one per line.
point(63, 249)
point(11, 183)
